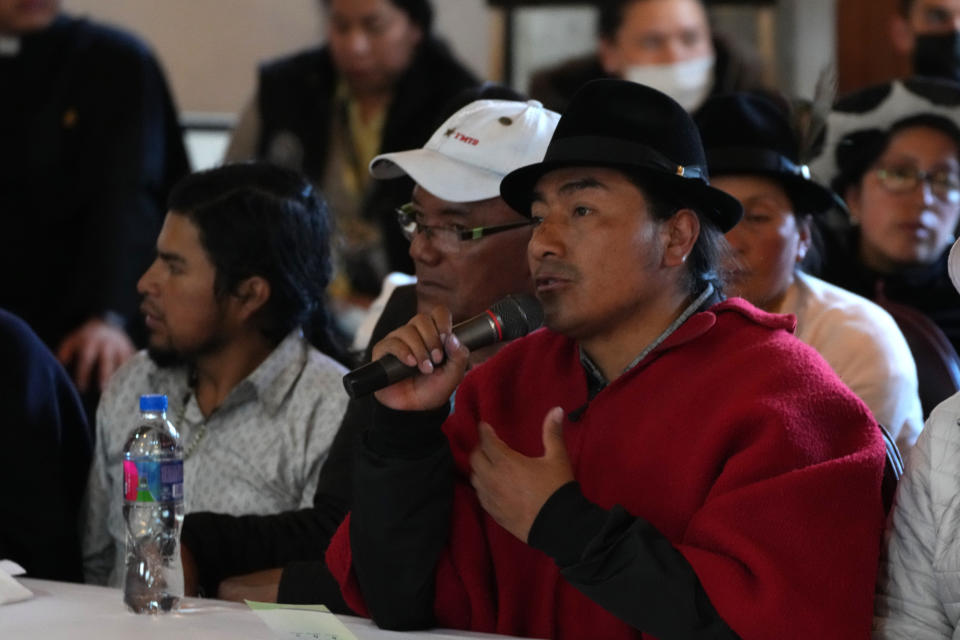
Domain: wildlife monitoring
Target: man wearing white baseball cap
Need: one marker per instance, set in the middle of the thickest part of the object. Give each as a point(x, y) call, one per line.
point(918, 583)
point(456, 204)
point(469, 250)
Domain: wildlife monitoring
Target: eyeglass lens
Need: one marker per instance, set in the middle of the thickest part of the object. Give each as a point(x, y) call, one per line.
point(944, 184)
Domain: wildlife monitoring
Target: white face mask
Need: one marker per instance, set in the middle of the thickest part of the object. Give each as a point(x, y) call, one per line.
point(689, 82)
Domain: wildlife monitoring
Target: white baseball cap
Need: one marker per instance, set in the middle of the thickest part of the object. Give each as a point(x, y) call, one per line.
point(469, 154)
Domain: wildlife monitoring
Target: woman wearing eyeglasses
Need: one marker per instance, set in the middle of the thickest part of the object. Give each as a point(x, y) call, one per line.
point(893, 153)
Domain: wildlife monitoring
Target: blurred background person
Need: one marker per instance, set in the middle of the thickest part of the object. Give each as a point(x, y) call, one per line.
point(892, 152)
point(377, 85)
point(754, 155)
point(235, 292)
point(665, 44)
point(90, 147)
point(929, 32)
point(44, 458)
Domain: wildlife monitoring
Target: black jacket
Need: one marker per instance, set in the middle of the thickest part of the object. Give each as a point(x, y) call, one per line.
point(90, 146)
point(295, 96)
point(926, 289)
point(44, 458)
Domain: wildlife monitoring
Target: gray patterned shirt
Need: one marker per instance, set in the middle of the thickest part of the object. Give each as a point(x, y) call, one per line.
point(260, 453)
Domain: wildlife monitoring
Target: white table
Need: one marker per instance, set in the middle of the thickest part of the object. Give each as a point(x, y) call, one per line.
point(81, 612)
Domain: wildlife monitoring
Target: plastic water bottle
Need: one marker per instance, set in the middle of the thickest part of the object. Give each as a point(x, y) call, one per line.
point(153, 511)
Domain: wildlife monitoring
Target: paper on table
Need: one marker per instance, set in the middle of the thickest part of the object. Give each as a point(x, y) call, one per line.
point(10, 589)
point(302, 621)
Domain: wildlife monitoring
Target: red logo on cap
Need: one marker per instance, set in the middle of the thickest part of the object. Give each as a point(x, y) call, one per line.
point(466, 139)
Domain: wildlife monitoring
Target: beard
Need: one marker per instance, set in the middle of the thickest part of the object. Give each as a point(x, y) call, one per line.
point(167, 356)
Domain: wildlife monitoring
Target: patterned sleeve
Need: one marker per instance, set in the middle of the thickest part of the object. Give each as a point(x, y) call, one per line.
point(330, 406)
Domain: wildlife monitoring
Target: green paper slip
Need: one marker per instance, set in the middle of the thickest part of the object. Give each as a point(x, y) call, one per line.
point(301, 621)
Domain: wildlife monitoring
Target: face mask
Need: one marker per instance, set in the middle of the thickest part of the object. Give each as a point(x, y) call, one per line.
point(689, 83)
point(938, 56)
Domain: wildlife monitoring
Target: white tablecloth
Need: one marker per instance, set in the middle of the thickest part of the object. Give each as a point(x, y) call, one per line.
point(81, 612)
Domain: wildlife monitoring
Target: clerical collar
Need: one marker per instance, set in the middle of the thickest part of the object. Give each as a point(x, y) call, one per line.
point(9, 46)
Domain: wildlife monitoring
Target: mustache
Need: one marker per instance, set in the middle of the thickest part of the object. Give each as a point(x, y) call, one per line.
point(556, 269)
point(733, 266)
point(146, 308)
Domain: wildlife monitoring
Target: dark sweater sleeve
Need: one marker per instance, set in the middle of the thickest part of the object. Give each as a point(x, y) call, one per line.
point(401, 515)
point(44, 459)
point(625, 565)
point(311, 583)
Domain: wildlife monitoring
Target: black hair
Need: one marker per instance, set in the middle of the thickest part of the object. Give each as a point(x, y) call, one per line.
point(709, 253)
point(610, 16)
point(906, 6)
point(257, 219)
point(858, 151)
point(420, 12)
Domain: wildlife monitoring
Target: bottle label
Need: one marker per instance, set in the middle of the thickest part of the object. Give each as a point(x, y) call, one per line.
point(146, 480)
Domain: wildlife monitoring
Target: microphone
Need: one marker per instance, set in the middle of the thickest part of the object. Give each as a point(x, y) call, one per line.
point(512, 317)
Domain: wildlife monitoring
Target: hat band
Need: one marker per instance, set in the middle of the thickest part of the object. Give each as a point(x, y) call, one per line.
point(603, 151)
point(750, 159)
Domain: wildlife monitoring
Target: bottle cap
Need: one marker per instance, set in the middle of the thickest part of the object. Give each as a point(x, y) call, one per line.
point(153, 403)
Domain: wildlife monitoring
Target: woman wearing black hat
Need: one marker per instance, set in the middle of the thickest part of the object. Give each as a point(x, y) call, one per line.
point(893, 153)
point(753, 154)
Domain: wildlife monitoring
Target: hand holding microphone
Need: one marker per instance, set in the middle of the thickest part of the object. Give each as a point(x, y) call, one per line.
point(419, 365)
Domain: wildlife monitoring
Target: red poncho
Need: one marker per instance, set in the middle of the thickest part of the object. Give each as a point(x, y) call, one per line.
point(734, 439)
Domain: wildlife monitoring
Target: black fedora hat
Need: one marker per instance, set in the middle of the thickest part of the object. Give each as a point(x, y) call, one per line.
point(632, 127)
point(750, 134)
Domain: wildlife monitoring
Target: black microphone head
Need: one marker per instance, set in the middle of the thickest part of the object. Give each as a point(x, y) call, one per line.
point(519, 314)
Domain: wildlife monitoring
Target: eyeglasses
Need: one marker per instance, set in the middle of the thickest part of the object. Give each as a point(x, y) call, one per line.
point(448, 238)
point(944, 184)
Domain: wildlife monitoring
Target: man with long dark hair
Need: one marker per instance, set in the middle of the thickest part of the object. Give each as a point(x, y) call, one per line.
point(237, 286)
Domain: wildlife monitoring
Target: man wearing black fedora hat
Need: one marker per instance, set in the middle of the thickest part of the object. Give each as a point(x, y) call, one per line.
point(656, 461)
point(753, 154)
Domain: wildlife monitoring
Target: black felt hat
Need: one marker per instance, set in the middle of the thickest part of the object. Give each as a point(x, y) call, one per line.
point(634, 128)
point(750, 134)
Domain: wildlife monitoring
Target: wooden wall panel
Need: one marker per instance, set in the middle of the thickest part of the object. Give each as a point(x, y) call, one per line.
point(865, 54)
